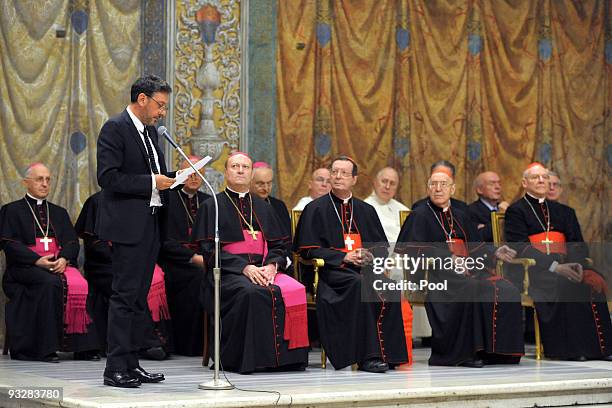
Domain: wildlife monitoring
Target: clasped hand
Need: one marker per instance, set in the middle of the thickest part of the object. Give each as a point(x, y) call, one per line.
point(359, 257)
point(263, 275)
point(505, 253)
point(57, 266)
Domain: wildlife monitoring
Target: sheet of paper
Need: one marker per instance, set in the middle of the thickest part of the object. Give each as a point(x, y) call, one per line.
point(182, 176)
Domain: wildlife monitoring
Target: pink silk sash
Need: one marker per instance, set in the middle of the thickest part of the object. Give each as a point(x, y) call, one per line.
point(296, 320)
point(293, 292)
point(249, 245)
point(76, 318)
point(156, 299)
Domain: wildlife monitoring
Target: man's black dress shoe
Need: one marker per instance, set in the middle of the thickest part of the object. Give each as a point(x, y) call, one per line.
point(373, 365)
point(146, 377)
point(154, 353)
point(121, 379)
point(51, 358)
point(607, 358)
point(90, 355)
point(472, 363)
point(581, 359)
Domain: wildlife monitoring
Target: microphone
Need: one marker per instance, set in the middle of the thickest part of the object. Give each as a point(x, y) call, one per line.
point(162, 130)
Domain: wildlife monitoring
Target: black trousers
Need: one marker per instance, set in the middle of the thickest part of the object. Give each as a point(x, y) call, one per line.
point(132, 274)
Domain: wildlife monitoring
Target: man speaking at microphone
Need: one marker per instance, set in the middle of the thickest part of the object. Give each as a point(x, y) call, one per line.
point(133, 177)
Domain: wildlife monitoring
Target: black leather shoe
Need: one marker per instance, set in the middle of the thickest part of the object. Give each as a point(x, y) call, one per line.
point(121, 379)
point(607, 358)
point(51, 358)
point(154, 353)
point(473, 363)
point(581, 359)
point(90, 355)
point(374, 365)
point(146, 377)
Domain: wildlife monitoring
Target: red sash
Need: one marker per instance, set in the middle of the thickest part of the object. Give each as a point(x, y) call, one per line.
point(556, 244)
point(458, 247)
point(156, 299)
point(76, 318)
point(351, 242)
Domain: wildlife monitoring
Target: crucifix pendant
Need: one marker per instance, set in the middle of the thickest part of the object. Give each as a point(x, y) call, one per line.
point(45, 241)
point(253, 233)
point(450, 240)
point(547, 242)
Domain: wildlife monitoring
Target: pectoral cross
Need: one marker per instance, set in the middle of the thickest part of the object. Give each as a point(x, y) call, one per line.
point(253, 233)
point(348, 241)
point(450, 240)
point(46, 241)
point(547, 242)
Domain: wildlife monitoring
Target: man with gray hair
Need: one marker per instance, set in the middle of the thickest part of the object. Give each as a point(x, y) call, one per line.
point(383, 201)
point(555, 188)
point(489, 189)
point(570, 296)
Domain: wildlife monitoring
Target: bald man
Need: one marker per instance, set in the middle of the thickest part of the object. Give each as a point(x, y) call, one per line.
point(261, 186)
point(47, 309)
point(570, 297)
point(489, 189)
point(319, 185)
point(382, 199)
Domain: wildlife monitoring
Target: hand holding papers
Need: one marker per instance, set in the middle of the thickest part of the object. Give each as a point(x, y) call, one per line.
point(182, 175)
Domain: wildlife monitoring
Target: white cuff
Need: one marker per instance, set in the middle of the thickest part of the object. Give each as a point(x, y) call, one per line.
point(153, 184)
point(553, 266)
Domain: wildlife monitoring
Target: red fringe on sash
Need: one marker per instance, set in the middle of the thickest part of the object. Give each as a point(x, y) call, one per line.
point(156, 299)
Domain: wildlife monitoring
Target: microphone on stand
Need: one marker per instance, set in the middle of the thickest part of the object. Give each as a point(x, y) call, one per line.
point(215, 383)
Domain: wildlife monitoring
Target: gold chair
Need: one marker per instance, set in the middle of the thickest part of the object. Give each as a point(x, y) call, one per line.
point(497, 225)
point(315, 263)
point(415, 298)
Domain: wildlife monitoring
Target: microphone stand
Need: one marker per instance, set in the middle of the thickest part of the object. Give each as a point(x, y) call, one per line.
point(216, 383)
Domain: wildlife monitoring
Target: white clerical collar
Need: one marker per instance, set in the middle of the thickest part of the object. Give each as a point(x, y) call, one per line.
point(490, 206)
point(139, 126)
point(378, 200)
point(346, 200)
point(540, 200)
point(445, 209)
point(38, 200)
point(190, 195)
point(240, 195)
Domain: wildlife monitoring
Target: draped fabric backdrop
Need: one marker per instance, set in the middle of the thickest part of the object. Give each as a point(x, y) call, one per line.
point(489, 85)
point(55, 93)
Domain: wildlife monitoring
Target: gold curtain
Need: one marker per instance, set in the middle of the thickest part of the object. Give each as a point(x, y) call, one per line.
point(57, 92)
point(488, 85)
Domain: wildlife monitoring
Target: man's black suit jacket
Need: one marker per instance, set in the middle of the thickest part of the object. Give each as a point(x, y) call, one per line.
point(125, 178)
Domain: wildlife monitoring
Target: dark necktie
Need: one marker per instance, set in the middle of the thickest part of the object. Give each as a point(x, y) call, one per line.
point(149, 147)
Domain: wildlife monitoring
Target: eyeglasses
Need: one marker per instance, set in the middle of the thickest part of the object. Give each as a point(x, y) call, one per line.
point(535, 177)
point(341, 173)
point(440, 184)
point(40, 180)
point(162, 106)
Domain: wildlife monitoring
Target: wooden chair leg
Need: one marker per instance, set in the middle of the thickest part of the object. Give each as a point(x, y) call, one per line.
point(538, 339)
point(205, 349)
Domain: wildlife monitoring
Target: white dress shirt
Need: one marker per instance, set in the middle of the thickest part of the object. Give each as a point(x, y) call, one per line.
point(155, 198)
